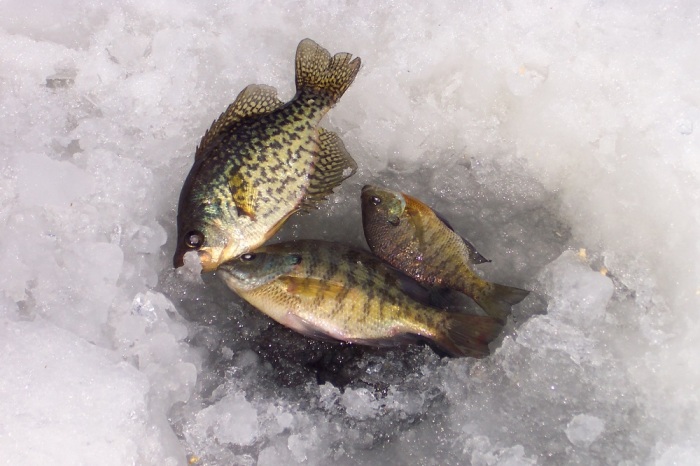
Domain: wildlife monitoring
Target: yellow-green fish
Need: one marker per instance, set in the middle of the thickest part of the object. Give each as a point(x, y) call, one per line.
point(263, 160)
point(331, 291)
point(413, 238)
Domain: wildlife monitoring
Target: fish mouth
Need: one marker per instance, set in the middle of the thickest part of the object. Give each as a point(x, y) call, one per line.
point(205, 259)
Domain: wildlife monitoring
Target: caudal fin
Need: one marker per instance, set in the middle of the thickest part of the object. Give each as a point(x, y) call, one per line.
point(497, 300)
point(467, 335)
point(318, 72)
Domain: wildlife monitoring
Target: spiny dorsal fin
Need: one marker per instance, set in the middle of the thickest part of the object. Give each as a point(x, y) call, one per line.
point(318, 72)
point(332, 167)
point(256, 99)
point(442, 219)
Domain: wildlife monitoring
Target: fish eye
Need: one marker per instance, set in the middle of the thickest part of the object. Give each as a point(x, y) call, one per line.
point(296, 259)
point(194, 239)
point(375, 200)
point(247, 257)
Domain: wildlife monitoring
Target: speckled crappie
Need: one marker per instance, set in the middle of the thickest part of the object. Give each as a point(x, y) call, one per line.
point(413, 238)
point(263, 160)
point(331, 291)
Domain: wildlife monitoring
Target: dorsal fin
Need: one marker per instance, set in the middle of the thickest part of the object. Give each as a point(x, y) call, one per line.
point(256, 99)
point(442, 219)
point(332, 167)
point(474, 255)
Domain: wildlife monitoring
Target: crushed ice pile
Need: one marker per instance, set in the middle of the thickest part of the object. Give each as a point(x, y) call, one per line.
point(561, 139)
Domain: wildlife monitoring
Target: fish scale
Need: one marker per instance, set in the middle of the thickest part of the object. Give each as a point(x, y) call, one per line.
point(412, 237)
point(263, 160)
point(332, 291)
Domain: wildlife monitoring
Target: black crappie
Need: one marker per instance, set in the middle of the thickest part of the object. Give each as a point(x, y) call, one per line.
point(263, 160)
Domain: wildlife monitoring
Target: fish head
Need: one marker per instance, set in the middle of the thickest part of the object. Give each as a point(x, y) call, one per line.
point(382, 205)
point(255, 269)
point(209, 229)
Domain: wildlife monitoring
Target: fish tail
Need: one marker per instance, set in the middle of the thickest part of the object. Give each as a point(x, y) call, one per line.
point(467, 335)
point(497, 299)
point(318, 72)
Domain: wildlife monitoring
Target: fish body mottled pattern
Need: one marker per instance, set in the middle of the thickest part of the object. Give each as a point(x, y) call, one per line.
point(273, 155)
point(444, 264)
point(263, 160)
point(330, 290)
point(410, 236)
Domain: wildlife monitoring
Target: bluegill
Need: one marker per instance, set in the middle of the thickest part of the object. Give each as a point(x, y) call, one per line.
point(262, 160)
point(412, 237)
point(332, 291)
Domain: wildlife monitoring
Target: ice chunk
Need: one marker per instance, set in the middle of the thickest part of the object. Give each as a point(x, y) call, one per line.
point(360, 403)
point(579, 294)
point(59, 383)
point(231, 420)
point(584, 429)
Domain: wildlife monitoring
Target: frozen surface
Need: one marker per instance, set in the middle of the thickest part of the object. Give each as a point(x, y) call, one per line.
point(562, 139)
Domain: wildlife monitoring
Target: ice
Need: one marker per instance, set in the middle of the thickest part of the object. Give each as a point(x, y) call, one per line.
point(97, 402)
point(42, 181)
point(231, 420)
point(560, 139)
point(584, 430)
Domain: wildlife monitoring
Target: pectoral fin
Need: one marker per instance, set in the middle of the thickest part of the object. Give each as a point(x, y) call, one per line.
point(311, 288)
point(334, 165)
point(243, 193)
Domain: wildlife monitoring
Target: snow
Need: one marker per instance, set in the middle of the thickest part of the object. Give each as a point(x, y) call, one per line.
point(561, 139)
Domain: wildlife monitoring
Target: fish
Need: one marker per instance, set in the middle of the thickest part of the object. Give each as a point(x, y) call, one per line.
point(418, 241)
point(263, 160)
point(332, 291)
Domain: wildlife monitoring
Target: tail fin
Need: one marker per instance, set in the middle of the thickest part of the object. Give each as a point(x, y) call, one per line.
point(497, 299)
point(467, 335)
point(317, 71)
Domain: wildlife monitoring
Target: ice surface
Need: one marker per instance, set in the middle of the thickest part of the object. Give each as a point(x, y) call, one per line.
point(561, 139)
point(584, 429)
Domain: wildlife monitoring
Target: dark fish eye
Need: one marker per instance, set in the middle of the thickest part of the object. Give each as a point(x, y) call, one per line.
point(194, 239)
point(296, 259)
point(375, 200)
point(247, 257)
